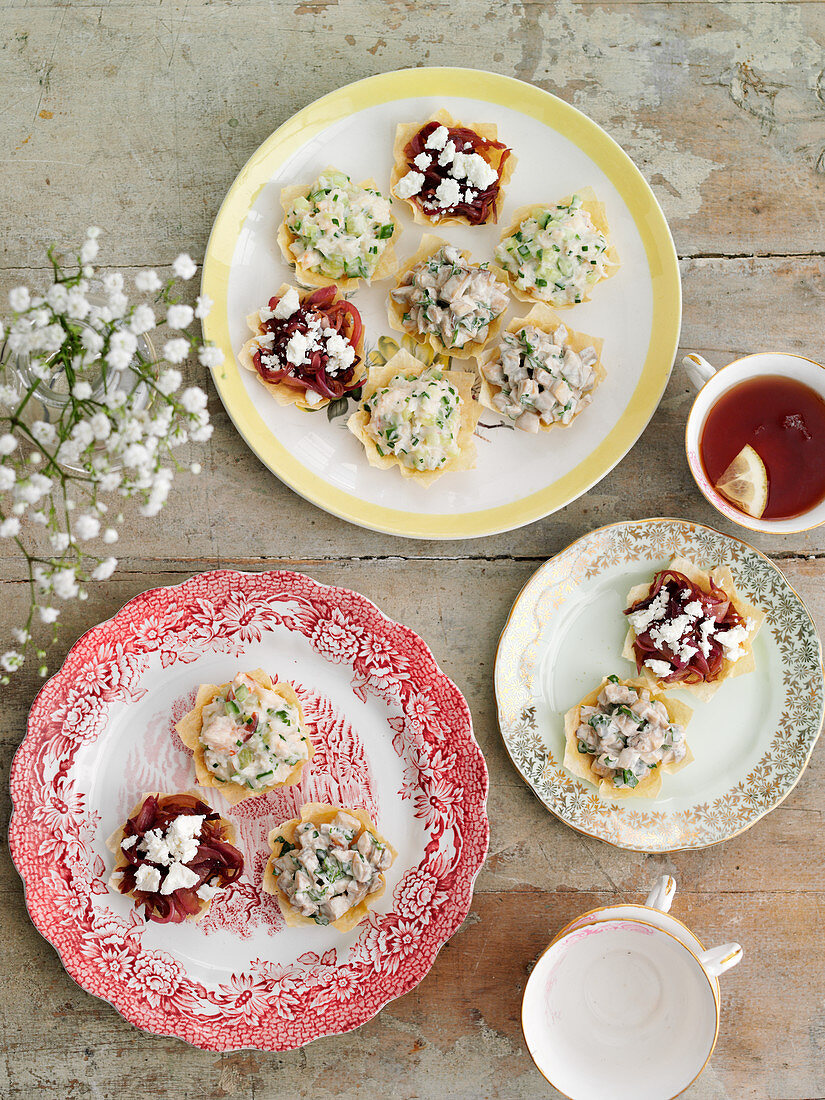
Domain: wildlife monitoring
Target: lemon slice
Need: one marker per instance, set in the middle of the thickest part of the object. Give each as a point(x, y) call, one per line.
point(745, 483)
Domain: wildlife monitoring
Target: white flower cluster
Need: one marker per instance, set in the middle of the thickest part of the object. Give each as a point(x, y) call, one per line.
point(126, 414)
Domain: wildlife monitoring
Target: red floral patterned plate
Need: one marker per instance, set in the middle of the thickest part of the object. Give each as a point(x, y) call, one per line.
point(391, 733)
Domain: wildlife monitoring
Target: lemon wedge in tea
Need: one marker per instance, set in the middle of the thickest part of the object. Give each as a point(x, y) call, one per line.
point(745, 483)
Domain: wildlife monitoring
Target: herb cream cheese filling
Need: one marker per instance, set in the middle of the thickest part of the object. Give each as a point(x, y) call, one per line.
point(252, 736)
point(557, 254)
point(327, 871)
point(542, 380)
point(417, 419)
point(341, 229)
point(629, 734)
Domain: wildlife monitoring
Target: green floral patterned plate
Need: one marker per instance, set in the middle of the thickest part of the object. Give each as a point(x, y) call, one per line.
point(751, 742)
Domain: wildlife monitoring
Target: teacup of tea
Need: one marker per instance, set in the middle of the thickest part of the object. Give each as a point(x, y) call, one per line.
point(755, 440)
point(623, 1009)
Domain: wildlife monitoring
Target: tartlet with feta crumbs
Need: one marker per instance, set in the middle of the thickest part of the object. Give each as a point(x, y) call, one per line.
point(446, 302)
point(541, 375)
point(307, 348)
point(622, 737)
point(450, 173)
point(690, 629)
point(558, 252)
point(416, 418)
point(327, 866)
point(174, 854)
point(248, 736)
point(338, 233)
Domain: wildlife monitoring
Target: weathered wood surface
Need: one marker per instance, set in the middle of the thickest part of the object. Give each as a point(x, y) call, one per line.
point(137, 117)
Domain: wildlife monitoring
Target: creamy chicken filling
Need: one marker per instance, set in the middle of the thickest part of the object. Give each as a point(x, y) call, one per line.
point(331, 867)
point(341, 229)
point(541, 379)
point(557, 254)
point(446, 297)
point(629, 734)
point(417, 418)
point(251, 735)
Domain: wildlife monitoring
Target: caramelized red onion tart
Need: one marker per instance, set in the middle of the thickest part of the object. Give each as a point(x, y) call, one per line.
point(450, 173)
point(146, 845)
point(307, 348)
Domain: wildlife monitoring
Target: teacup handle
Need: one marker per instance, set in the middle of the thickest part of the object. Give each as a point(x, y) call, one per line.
point(662, 895)
point(722, 958)
point(698, 369)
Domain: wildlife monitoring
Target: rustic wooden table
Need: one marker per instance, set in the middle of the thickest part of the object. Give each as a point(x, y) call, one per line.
point(137, 116)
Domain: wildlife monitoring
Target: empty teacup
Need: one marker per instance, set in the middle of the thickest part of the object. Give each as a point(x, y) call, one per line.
point(623, 1008)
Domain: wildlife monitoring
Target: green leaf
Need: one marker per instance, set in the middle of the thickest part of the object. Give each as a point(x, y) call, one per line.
point(337, 408)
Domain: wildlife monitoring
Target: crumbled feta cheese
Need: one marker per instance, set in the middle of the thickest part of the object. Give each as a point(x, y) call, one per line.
point(731, 641)
point(447, 154)
point(155, 848)
point(658, 668)
point(409, 185)
point(423, 161)
point(265, 340)
point(312, 397)
point(693, 609)
point(438, 138)
point(296, 348)
point(474, 169)
point(181, 836)
point(128, 842)
point(147, 878)
point(641, 620)
point(287, 305)
point(447, 194)
point(670, 631)
point(178, 877)
point(265, 314)
point(687, 651)
point(706, 629)
point(341, 354)
point(207, 891)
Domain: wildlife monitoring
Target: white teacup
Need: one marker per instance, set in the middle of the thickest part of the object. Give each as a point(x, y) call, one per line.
point(624, 992)
point(712, 383)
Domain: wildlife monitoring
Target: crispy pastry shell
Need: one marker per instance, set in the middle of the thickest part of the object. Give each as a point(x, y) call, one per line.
point(723, 578)
point(284, 394)
point(581, 764)
point(544, 319)
point(598, 216)
point(114, 841)
point(430, 244)
point(319, 813)
point(190, 726)
point(406, 131)
point(470, 410)
point(387, 261)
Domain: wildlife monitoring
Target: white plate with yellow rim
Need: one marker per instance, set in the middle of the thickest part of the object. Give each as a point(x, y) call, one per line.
point(519, 477)
point(751, 741)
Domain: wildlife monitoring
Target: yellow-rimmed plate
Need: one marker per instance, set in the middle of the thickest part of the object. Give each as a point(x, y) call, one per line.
point(520, 477)
point(751, 741)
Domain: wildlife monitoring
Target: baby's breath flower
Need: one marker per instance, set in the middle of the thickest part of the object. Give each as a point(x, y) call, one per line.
point(48, 614)
point(147, 282)
point(92, 341)
point(100, 425)
point(122, 347)
point(60, 541)
point(19, 298)
point(11, 660)
point(87, 527)
point(7, 478)
point(58, 297)
point(82, 391)
point(143, 319)
point(176, 351)
point(195, 468)
point(93, 232)
point(10, 527)
point(105, 569)
point(64, 584)
point(184, 266)
point(7, 444)
point(77, 307)
point(20, 636)
point(110, 535)
point(193, 399)
point(210, 356)
point(179, 316)
point(88, 251)
point(203, 306)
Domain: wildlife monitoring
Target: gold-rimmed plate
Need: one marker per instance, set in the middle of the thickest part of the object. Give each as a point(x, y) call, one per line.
point(751, 742)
